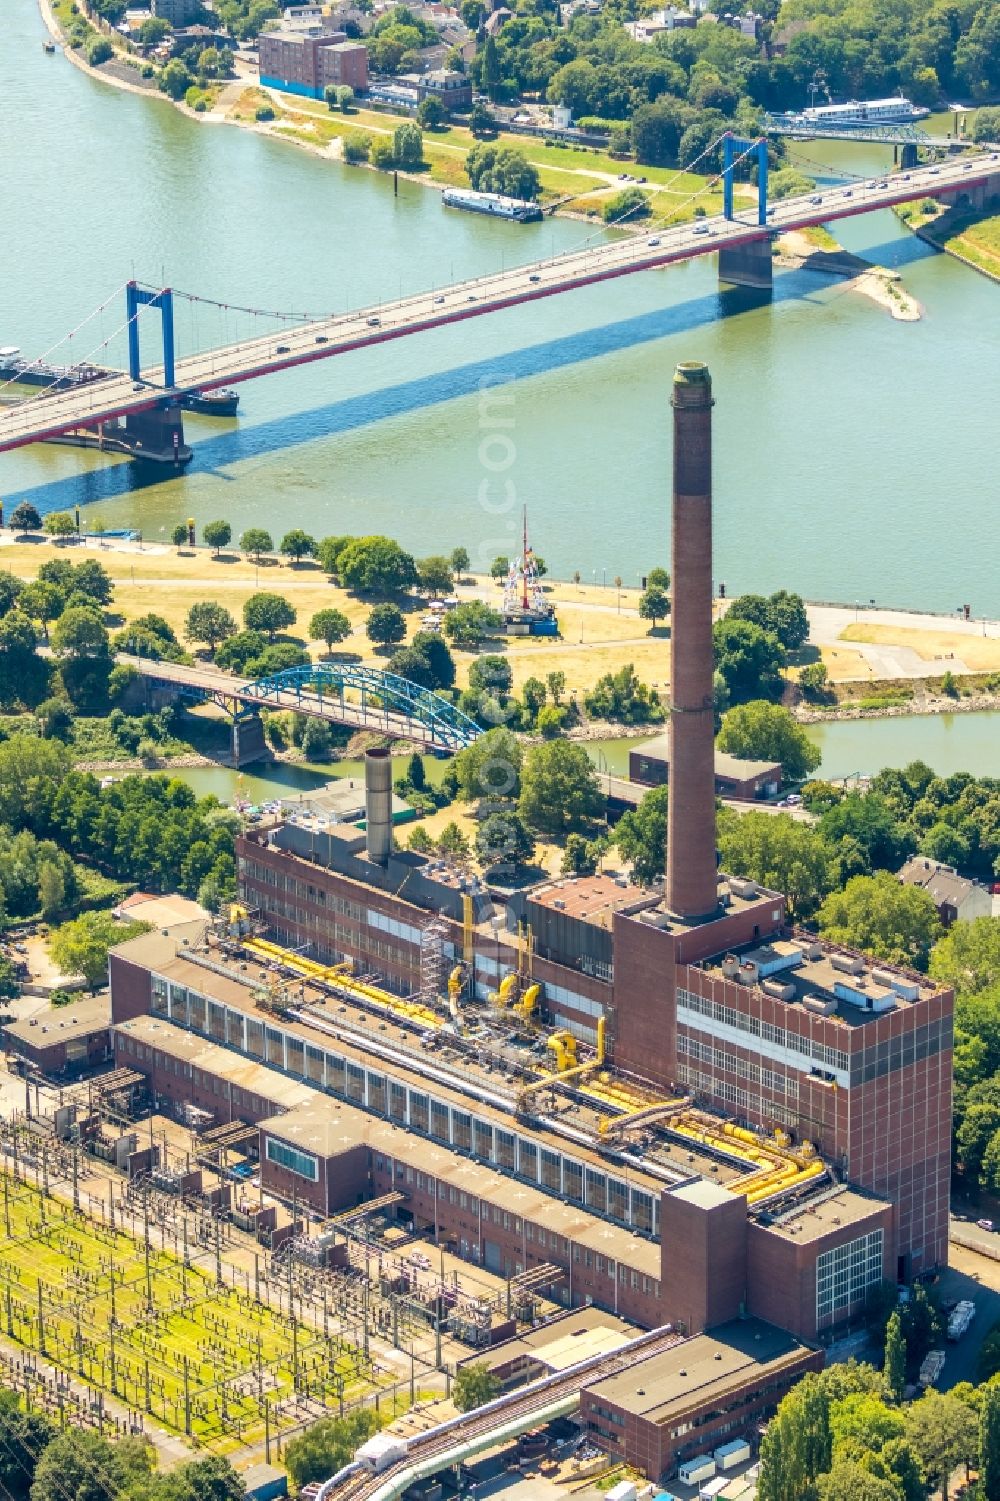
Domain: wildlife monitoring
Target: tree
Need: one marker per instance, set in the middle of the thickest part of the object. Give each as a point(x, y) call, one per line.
point(24, 518)
point(656, 132)
point(850, 1480)
point(431, 113)
point(60, 524)
point(989, 1443)
point(23, 674)
point(749, 659)
point(435, 575)
point(209, 622)
point(174, 81)
point(268, 612)
point(627, 206)
point(375, 565)
point(459, 561)
point(814, 681)
point(78, 1465)
point(482, 121)
point(408, 146)
point(328, 551)
point(474, 1385)
point(468, 623)
point(23, 1439)
point(357, 145)
point(153, 30)
point(533, 697)
point(385, 625)
point(328, 1445)
point(502, 169)
point(560, 793)
point(439, 658)
point(451, 841)
point(55, 718)
point(502, 841)
point(217, 535)
point(968, 956)
point(788, 183)
point(641, 837)
point(620, 697)
point(99, 51)
point(179, 535)
point(871, 822)
point(80, 632)
point(345, 98)
point(254, 542)
point(297, 545)
point(81, 947)
point(782, 614)
point(556, 683)
point(42, 602)
point(490, 767)
point(331, 626)
point(895, 1356)
point(797, 1444)
point(491, 674)
point(654, 605)
point(882, 918)
point(499, 567)
point(380, 154)
point(11, 588)
point(582, 857)
point(410, 662)
point(943, 1433)
point(761, 731)
point(491, 68)
point(211, 1479)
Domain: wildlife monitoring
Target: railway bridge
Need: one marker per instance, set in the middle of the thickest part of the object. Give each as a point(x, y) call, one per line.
point(363, 698)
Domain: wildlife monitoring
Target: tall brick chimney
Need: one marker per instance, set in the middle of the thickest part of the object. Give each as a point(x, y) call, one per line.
point(691, 884)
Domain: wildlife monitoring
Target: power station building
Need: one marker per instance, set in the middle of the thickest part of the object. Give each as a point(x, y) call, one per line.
point(688, 1109)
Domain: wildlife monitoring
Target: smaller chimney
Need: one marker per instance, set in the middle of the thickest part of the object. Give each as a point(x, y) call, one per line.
point(378, 805)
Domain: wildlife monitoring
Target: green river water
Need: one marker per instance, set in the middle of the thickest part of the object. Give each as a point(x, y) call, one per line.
point(854, 454)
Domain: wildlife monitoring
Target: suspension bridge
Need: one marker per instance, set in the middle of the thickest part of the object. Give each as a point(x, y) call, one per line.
point(148, 400)
point(363, 698)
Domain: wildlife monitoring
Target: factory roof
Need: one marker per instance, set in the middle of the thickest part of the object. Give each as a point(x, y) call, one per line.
point(55, 1024)
point(823, 979)
point(592, 899)
point(270, 1084)
point(477, 1074)
point(698, 1371)
point(732, 768)
point(326, 1126)
point(823, 1216)
point(561, 1342)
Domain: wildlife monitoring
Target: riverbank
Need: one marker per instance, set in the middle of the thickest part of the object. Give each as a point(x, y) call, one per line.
point(575, 181)
point(796, 251)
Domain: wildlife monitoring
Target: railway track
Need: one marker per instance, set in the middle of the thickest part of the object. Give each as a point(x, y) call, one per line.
point(538, 1396)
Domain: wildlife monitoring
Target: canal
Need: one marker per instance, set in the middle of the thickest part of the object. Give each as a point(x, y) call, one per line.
point(854, 456)
point(947, 742)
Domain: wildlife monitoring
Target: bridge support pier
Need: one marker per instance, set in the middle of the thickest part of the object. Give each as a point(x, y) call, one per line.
point(248, 741)
point(908, 155)
point(748, 265)
point(158, 434)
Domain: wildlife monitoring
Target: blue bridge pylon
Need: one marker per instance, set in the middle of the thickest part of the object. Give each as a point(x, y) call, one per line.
point(734, 149)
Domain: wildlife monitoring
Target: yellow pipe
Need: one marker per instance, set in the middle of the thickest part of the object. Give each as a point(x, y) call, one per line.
point(526, 1005)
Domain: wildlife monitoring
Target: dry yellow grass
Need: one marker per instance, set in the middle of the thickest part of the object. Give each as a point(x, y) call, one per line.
point(548, 856)
point(845, 665)
point(982, 653)
point(595, 638)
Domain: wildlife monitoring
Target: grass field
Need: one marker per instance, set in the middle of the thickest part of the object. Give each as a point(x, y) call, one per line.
point(982, 653)
point(202, 1359)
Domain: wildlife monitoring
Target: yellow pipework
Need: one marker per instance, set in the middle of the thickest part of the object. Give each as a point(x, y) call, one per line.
point(310, 969)
point(455, 982)
point(526, 1005)
point(505, 994)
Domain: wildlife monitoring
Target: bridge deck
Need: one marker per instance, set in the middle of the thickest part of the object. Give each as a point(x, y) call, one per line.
point(60, 412)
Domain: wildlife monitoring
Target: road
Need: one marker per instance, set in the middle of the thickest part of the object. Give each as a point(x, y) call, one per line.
point(52, 413)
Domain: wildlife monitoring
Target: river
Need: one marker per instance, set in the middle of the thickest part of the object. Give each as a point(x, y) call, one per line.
point(844, 440)
point(947, 742)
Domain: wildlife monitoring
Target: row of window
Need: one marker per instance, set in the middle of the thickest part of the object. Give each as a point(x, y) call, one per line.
point(399, 929)
point(303, 1164)
point(534, 1235)
point(722, 1089)
point(696, 1005)
point(416, 1109)
point(733, 1063)
point(845, 1274)
point(306, 890)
